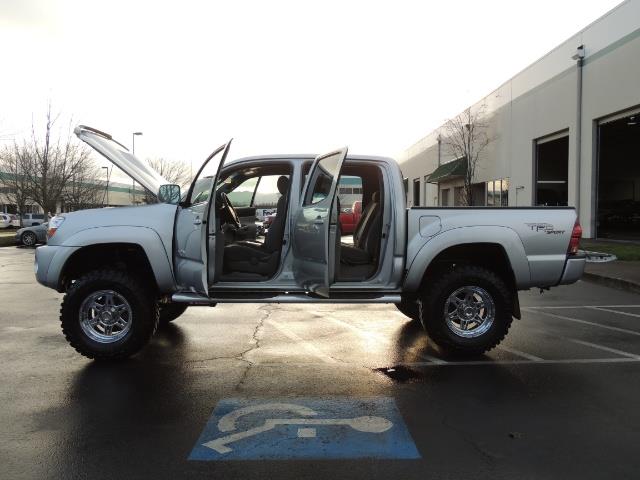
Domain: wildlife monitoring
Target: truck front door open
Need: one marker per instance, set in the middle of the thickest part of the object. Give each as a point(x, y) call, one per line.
point(195, 226)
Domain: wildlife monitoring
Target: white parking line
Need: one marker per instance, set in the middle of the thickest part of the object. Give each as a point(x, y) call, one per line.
point(585, 322)
point(518, 353)
point(527, 362)
point(315, 351)
point(374, 336)
point(606, 349)
point(559, 307)
point(603, 309)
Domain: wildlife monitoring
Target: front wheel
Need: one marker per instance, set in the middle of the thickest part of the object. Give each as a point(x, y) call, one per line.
point(468, 310)
point(108, 315)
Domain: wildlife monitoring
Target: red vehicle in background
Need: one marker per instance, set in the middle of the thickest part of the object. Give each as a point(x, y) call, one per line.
point(349, 217)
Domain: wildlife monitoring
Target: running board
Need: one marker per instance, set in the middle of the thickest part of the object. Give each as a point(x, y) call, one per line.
point(273, 297)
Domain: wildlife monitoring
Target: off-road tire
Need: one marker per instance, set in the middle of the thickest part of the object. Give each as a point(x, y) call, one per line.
point(409, 308)
point(143, 304)
point(170, 311)
point(433, 314)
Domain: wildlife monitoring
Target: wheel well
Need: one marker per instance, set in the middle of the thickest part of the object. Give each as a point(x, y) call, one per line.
point(491, 256)
point(120, 256)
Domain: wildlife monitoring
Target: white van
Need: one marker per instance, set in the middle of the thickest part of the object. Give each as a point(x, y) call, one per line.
point(32, 219)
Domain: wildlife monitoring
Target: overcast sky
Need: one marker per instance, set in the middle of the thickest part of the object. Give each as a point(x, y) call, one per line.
point(278, 76)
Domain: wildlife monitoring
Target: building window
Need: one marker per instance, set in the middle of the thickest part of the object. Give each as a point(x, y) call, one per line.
point(444, 193)
point(552, 170)
point(618, 194)
point(416, 192)
point(498, 193)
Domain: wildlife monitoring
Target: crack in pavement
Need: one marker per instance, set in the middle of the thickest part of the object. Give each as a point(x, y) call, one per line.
point(489, 457)
point(255, 339)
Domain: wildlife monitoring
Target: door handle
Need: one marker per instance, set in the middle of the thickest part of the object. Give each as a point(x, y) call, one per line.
point(197, 221)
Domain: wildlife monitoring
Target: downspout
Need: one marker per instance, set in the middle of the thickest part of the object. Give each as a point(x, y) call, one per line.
point(579, 57)
point(439, 163)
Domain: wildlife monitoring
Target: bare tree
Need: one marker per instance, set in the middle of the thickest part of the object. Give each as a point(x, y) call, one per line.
point(466, 136)
point(175, 171)
point(84, 190)
point(55, 162)
point(15, 162)
point(172, 170)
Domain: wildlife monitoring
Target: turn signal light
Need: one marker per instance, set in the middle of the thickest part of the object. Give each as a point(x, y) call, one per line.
point(574, 243)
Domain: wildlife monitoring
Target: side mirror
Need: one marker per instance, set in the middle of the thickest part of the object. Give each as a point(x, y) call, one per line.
point(169, 194)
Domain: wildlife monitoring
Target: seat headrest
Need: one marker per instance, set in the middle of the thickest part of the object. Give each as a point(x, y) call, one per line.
point(375, 197)
point(283, 185)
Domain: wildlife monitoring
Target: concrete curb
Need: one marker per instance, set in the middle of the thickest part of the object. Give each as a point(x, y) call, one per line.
point(612, 282)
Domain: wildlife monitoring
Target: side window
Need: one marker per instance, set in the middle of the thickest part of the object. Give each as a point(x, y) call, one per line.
point(241, 195)
point(322, 179)
point(267, 194)
point(201, 190)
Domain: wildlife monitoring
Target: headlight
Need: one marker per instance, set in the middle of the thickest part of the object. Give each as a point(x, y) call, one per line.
point(54, 224)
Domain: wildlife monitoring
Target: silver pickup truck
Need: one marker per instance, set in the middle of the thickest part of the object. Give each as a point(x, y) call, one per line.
point(457, 271)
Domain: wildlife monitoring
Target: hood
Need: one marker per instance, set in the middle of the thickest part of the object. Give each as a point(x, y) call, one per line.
point(158, 217)
point(120, 156)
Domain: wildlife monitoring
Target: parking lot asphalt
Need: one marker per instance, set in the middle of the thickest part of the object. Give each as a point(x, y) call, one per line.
point(558, 399)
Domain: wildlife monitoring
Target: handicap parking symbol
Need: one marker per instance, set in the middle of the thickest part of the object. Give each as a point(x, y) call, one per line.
point(309, 428)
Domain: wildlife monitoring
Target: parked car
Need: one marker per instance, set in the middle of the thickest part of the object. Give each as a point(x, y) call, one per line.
point(15, 220)
point(31, 236)
point(349, 217)
point(6, 221)
point(32, 219)
point(455, 271)
point(268, 220)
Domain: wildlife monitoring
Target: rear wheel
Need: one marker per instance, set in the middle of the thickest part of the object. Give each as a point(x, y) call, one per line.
point(28, 239)
point(409, 308)
point(170, 311)
point(468, 310)
point(108, 315)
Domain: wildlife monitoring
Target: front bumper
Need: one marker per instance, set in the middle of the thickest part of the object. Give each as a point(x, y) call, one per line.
point(573, 268)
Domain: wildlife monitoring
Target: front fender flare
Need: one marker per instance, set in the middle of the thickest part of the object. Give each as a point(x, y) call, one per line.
point(148, 239)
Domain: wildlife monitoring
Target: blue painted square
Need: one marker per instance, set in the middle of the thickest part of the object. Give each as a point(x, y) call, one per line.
point(309, 428)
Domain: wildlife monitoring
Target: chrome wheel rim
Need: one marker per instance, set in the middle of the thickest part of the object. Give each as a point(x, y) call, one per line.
point(28, 239)
point(469, 311)
point(105, 316)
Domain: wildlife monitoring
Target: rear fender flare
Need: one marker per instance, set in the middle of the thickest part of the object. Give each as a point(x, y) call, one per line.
point(503, 236)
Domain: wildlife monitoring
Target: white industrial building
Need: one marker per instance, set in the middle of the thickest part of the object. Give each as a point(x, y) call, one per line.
point(565, 130)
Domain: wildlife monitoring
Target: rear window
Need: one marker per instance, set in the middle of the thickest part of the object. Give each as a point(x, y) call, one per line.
point(38, 216)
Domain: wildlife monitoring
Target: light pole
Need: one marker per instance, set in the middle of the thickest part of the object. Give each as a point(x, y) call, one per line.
point(133, 152)
point(106, 190)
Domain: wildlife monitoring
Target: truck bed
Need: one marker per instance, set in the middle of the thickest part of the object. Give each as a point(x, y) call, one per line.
point(535, 239)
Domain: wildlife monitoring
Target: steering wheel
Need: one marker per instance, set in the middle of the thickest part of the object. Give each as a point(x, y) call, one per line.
point(227, 212)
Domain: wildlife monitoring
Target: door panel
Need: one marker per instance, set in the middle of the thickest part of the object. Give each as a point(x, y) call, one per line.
point(315, 227)
point(195, 226)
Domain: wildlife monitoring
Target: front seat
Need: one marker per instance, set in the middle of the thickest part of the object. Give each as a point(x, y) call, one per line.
point(366, 236)
point(261, 258)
